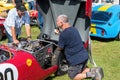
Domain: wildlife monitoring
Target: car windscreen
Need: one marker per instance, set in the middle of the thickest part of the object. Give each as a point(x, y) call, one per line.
point(101, 16)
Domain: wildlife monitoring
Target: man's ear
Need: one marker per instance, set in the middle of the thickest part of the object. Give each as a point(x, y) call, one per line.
point(62, 23)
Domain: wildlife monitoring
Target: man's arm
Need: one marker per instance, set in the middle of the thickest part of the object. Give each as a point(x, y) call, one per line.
point(28, 31)
point(23, 1)
point(14, 35)
point(60, 49)
point(13, 1)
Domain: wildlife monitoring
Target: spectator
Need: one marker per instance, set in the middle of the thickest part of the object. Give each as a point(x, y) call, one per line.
point(31, 4)
point(14, 21)
point(75, 53)
point(15, 2)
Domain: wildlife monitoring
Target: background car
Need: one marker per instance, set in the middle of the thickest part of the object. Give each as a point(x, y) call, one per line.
point(105, 22)
point(8, 5)
point(33, 17)
point(2, 29)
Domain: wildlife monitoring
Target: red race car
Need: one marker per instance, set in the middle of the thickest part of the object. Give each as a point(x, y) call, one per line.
point(29, 60)
point(2, 29)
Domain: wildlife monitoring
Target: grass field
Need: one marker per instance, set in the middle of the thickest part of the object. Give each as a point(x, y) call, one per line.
point(106, 54)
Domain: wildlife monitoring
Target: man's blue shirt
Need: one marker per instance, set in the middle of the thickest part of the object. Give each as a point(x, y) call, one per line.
point(14, 20)
point(70, 40)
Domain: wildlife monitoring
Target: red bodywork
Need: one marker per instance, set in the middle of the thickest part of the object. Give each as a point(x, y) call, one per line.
point(33, 13)
point(27, 66)
point(33, 17)
point(1, 26)
point(88, 7)
point(88, 10)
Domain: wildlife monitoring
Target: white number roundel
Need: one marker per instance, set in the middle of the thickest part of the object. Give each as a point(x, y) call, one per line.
point(8, 72)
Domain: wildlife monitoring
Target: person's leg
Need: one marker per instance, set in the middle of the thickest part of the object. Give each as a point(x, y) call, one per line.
point(94, 73)
point(80, 76)
point(32, 5)
point(40, 20)
point(80, 71)
point(29, 4)
point(85, 74)
point(10, 39)
point(86, 70)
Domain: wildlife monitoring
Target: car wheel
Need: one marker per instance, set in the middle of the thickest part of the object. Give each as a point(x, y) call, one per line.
point(118, 36)
point(59, 59)
point(33, 21)
point(0, 34)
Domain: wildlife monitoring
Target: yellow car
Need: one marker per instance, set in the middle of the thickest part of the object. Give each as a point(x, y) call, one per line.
point(9, 6)
point(2, 9)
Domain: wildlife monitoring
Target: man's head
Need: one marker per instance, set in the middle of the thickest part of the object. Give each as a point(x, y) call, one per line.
point(62, 20)
point(21, 9)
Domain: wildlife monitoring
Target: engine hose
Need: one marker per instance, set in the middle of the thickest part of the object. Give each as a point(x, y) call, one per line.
point(10, 54)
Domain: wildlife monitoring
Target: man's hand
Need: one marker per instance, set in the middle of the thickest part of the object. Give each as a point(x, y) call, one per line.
point(29, 38)
point(15, 41)
point(56, 31)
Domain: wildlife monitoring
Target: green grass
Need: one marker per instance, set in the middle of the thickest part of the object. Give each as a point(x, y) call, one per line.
point(106, 54)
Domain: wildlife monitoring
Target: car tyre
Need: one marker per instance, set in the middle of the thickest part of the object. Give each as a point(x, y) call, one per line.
point(0, 34)
point(59, 59)
point(118, 37)
point(33, 22)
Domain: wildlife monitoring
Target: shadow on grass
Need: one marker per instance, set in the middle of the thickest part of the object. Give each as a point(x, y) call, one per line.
point(4, 38)
point(102, 39)
point(50, 78)
point(53, 76)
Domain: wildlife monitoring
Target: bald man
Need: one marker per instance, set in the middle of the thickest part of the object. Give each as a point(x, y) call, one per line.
point(75, 53)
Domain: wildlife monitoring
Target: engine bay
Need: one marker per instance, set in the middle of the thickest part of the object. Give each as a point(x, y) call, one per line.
point(40, 49)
